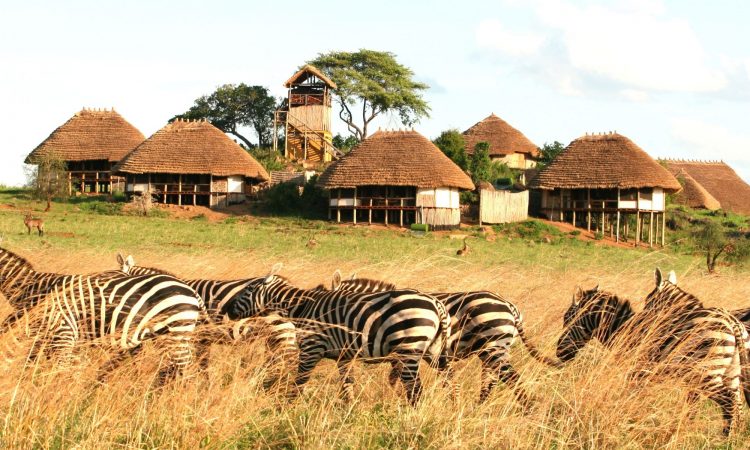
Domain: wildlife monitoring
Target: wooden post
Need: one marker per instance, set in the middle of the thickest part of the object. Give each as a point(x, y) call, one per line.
point(179, 189)
point(651, 230)
point(663, 227)
point(588, 206)
point(561, 205)
point(83, 182)
point(338, 207)
point(70, 184)
point(195, 189)
point(401, 214)
point(386, 206)
point(603, 218)
point(369, 213)
point(355, 205)
point(617, 233)
point(96, 183)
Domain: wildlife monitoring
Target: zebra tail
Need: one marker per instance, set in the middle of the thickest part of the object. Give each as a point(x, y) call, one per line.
point(445, 325)
point(532, 350)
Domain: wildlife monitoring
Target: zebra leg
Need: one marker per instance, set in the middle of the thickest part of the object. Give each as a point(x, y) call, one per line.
point(409, 371)
point(449, 380)
point(395, 374)
point(180, 355)
point(311, 352)
point(115, 362)
point(347, 381)
point(728, 400)
point(62, 343)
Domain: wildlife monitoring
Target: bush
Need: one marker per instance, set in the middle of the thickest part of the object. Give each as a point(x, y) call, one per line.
point(469, 198)
point(286, 199)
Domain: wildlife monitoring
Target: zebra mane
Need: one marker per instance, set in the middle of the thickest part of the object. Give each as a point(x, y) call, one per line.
point(369, 283)
point(143, 270)
point(18, 257)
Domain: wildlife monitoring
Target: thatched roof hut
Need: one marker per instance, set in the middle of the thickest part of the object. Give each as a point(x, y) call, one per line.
point(604, 161)
point(89, 143)
point(719, 180)
point(506, 142)
point(192, 158)
point(396, 176)
point(693, 194)
point(600, 180)
point(191, 147)
point(395, 158)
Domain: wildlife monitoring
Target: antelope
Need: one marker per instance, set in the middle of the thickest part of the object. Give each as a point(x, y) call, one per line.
point(464, 250)
point(32, 222)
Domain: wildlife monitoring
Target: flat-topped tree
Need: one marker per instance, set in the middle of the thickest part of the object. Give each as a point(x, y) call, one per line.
point(375, 82)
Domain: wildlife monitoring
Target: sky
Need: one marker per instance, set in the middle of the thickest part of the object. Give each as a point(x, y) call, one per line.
point(673, 76)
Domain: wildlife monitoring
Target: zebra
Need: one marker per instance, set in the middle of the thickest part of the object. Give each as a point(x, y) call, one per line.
point(123, 311)
point(24, 287)
point(482, 324)
point(280, 334)
point(706, 346)
point(400, 326)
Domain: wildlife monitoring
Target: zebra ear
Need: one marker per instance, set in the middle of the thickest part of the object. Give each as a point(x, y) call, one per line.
point(274, 270)
point(672, 277)
point(336, 280)
point(578, 295)
point(130, 261)
point(353, 277)
point(596, 288)
point(120, 259)
point(658, 278)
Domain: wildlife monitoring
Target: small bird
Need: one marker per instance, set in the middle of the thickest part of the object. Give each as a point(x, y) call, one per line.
point(464, 250)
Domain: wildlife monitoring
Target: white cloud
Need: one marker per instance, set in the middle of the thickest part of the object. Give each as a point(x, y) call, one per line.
point(634, 95)
point(492, 34)
point(631, 46)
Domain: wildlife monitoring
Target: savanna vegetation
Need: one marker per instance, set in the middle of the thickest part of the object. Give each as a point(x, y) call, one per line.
point(591, 403)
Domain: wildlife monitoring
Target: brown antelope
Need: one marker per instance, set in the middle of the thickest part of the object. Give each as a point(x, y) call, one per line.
point(32, 222)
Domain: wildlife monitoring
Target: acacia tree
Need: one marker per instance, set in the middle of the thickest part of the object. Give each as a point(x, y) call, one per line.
point(375, 83)
point(49, 179)
point(233, 106)
point(549, 152)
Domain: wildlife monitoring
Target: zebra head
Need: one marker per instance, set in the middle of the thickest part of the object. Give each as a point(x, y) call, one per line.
point(579, 322)
point(254, 298)
point(661, 283)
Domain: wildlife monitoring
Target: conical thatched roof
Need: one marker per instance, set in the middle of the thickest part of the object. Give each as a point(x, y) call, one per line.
point(720, 180)
point(196, 147)
point(604, 161)
point(693, 194)
point(89, 135)
point(306, 72)
point(395, 158)
point(503, 138)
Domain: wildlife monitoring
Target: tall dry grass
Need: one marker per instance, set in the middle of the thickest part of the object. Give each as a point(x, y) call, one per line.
point(591, 403)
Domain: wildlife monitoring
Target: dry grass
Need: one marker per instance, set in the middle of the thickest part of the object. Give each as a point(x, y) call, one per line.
point(591, 403)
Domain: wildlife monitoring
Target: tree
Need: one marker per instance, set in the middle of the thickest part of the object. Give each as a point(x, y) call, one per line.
point(716, 241)
point(345, 143)
point(49, 179)
point(377, 83)
point(452, 143)
point(481, 163)
point(549, 152)
point(233, 106)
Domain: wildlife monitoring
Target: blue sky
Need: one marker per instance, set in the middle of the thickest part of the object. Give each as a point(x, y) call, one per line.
point(674, 76)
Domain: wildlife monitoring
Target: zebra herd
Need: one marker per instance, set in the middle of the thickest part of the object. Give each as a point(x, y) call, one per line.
point(366, 320)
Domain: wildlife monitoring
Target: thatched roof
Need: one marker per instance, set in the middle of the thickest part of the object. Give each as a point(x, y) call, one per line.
point(191, 147)
point(693, 194)
point(306, 72)
point(503, 138)
point(91, 134)
point(719, 180)
point(395, 158)
point(604, 161)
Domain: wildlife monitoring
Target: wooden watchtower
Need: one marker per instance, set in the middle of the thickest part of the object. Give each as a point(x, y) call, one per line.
point(306, 116)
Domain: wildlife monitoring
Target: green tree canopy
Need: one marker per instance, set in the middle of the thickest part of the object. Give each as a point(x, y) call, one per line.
point(232, 106)
point(549, 152)
point(375, 82)
point(49, 179)
point(481, 163)
point(452, 143)
point(344, 143)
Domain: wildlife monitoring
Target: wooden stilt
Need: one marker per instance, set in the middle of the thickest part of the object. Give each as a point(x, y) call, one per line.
point(651, 230)
point(588, 206)
point(355, 205)
point(369, 214)
point(637, 227)
point(386, 206)
point(401, 214)
point(338, 207)
point(179, 189)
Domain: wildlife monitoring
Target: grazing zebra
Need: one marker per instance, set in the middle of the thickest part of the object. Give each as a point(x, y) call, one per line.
point(123, 311)
point(24, 287)
point(280, 333)
point(708, 347)
point(666, 295)
point(482, 324)
point(743, 315)
point(400, 326)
